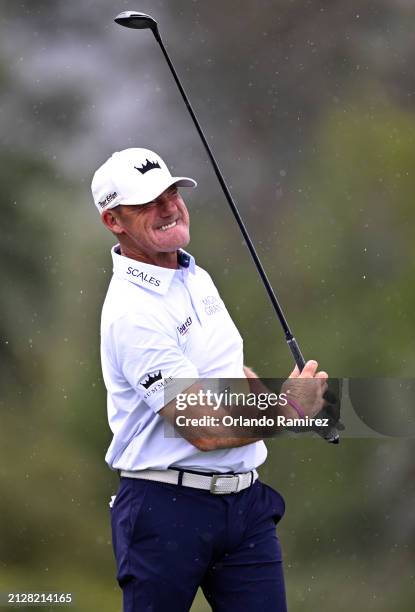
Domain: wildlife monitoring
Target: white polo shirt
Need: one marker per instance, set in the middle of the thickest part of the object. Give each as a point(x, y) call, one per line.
point(160, 323)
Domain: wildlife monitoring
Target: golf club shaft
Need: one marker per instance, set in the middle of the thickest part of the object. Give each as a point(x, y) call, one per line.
point(331, 435)
point(291, 341)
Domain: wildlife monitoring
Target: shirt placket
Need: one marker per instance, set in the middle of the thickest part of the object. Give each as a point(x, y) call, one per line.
point(192, 291)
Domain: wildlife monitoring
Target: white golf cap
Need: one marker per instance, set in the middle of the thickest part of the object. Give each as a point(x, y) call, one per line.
point(133, 176)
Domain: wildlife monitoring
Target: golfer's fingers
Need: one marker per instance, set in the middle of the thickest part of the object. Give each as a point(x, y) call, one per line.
point(322, 376)
point(295, 373)
point(309, 370)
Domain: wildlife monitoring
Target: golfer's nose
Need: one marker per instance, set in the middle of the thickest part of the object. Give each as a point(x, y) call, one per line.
point(167, 205)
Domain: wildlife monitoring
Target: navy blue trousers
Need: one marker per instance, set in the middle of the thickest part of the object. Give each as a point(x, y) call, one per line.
point(169, 540)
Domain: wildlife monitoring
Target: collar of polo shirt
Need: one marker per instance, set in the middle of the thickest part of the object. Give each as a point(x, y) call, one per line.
point(153, 278)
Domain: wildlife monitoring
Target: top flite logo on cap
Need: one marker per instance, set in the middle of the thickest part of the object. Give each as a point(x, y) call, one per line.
point(148, 166)
point(108, 199)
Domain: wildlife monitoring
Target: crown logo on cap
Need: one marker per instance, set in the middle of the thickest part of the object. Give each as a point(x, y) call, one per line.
point(151, 379)
point(148, 166)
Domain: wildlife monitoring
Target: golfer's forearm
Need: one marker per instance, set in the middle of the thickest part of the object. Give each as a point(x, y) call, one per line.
point(216, 443)
point(244, 431)
point(221, 428)
point(232, 429)
point(212, 431)
point(209, 427)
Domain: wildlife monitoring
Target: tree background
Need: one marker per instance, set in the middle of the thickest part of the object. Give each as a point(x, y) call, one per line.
point(309, 106)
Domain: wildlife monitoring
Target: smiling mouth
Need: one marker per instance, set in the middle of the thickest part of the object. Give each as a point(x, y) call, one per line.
point(164, 228)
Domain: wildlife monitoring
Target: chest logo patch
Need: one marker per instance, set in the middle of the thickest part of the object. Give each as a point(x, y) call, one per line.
point(184, 327)
point(212, 304)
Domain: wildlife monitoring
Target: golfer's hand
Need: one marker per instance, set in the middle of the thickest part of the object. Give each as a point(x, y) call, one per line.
point(306, 388)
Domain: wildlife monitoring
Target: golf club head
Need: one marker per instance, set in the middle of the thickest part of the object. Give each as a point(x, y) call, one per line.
point(137, 21)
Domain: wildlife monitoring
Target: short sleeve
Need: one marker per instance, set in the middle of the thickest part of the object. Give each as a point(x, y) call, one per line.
point(151, 360)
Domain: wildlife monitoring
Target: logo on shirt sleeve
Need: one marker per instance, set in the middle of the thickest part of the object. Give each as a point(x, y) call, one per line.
point(150, 379)
point(154, 382)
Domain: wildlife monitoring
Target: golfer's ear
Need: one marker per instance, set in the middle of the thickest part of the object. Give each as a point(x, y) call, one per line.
point(110, 220)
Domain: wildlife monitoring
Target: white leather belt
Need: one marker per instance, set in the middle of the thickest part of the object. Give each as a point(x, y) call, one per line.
point(219, 484)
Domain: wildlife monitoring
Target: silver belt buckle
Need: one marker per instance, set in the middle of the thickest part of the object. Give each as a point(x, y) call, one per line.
point(214, 480)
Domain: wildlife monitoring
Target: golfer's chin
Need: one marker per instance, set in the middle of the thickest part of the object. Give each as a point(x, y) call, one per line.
point(173, 239)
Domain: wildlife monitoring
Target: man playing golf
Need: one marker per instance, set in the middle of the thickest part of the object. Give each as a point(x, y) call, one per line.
point(190, 510)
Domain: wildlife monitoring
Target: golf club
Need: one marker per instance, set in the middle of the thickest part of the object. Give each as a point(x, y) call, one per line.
point(141, 21)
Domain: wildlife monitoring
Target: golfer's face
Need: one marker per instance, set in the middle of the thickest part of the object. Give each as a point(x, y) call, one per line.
point(161, 226)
